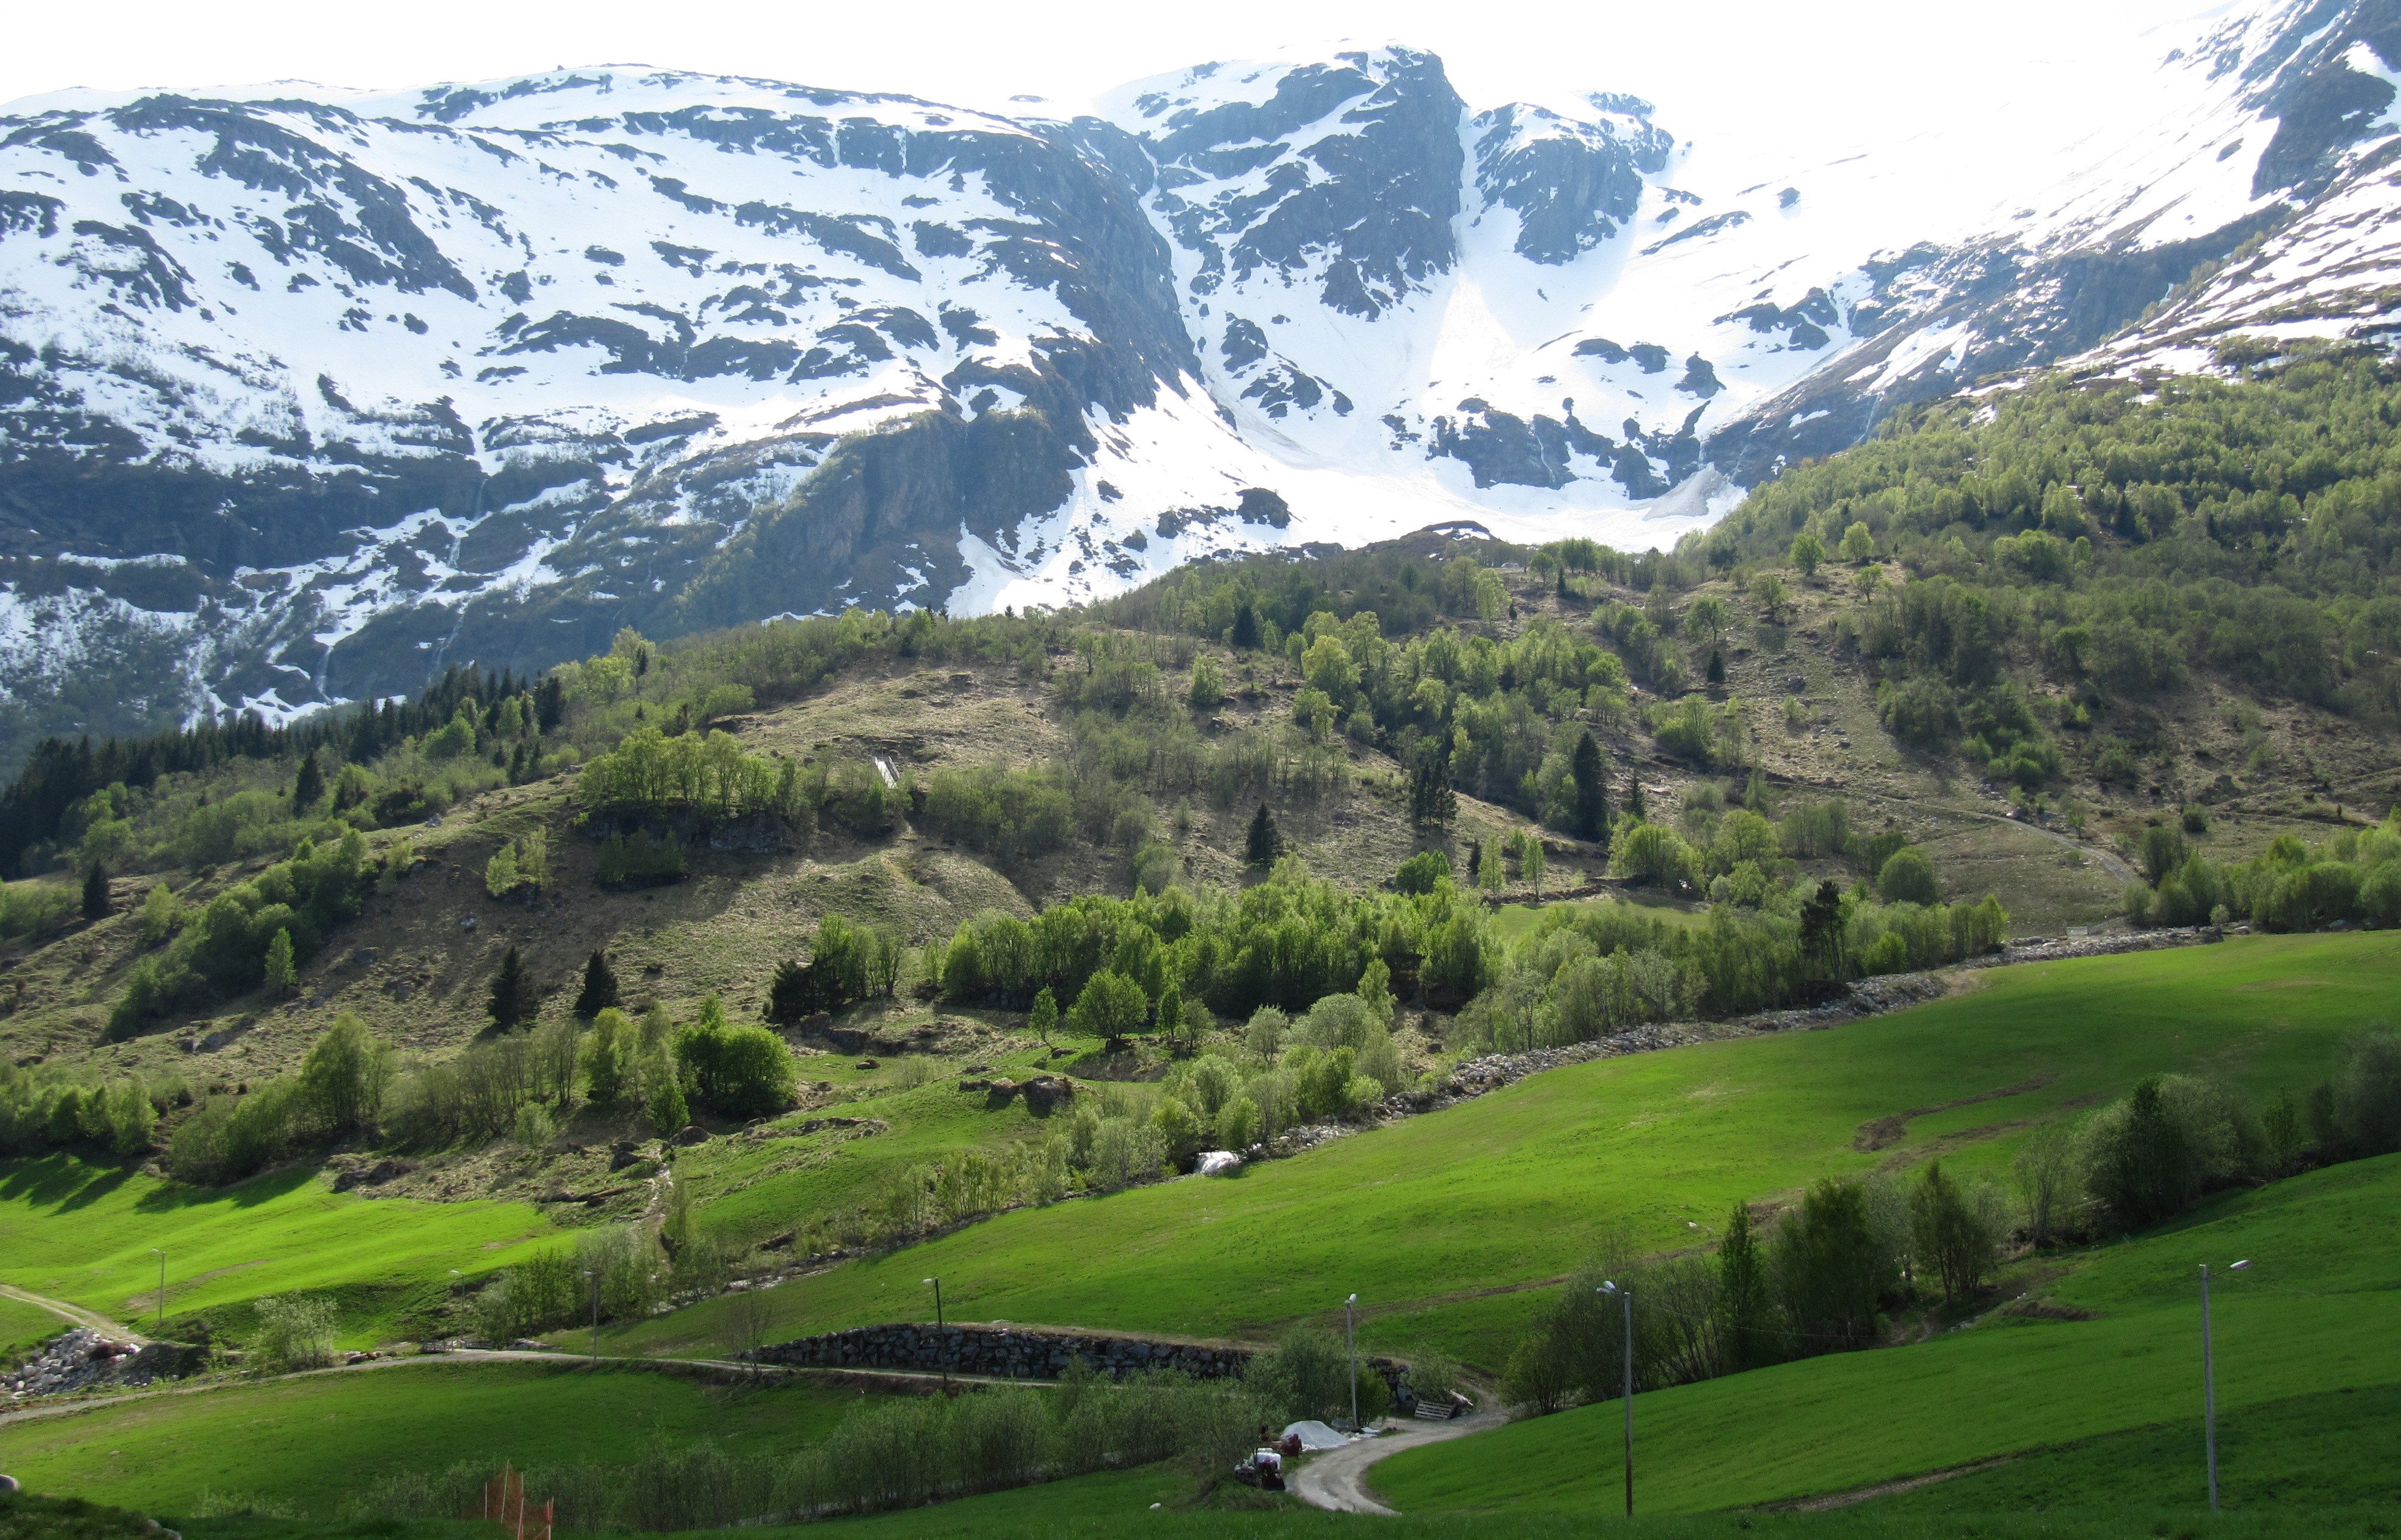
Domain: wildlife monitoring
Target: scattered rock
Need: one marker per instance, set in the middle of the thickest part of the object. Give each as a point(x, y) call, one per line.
point(868, 1063)
point(691, 1133)
point(1046, 1092)
point(81, 1359)
point(467, 921)
point(621, 1156)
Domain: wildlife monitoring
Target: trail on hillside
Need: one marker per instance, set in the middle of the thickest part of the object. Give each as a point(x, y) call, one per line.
point(75, 1314)
point(1334, 1480)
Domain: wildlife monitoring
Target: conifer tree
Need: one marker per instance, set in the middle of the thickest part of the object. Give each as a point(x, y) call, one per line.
point(1246, 628)
point(308, 785)
point(513, 995)
point(1591, 789)
point(1265, 842)
point(95, 892)
point(1717, 667)
point(600, 990)
point(1431, 802)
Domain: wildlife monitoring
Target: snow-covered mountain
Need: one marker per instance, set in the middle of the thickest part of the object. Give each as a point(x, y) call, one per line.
point(304, 394)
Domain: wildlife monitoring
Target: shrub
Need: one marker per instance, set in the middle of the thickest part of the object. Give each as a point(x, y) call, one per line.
point(1111, 1006)
point(1957, 1228)
point(735, 1070)
point(1908, 877)
point(1421, 872)
point(295, 1331)
point(2150, 1157)
point(1826, 1266)
point(2367, 1100)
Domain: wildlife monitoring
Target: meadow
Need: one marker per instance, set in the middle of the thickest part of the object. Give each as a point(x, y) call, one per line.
point(1440, 1222)
point(310, 1442)
point(83, 1232)
point(2099, 1411)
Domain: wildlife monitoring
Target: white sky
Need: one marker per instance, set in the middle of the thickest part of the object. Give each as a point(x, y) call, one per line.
point(1797, 74)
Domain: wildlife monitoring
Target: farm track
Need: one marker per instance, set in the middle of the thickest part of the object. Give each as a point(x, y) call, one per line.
point(1335, 1480)
point(72, 1315)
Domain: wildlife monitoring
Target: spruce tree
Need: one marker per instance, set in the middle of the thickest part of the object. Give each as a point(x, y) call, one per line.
point(600, 990)
point(1431, 802)
point(1717, 667)
point(513, 998)
point(1591, 789)
point(308, 785)
point(1246, 628)
point(1265, 842)
point(95, 891)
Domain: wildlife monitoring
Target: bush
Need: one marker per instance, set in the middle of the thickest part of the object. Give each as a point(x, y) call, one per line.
point(1825, 1265)
point(1421, 872)
point(2150, 1157)
point(1908, 877)
point(295, 1331)
point(735, 1070)
point(635, 861)
point(2367, 1091)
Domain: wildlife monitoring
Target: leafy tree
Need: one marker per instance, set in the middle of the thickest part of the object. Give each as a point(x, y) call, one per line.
point(513, 998)
point(1827, 1267)
point(1743, 1298)
point(158, 914)
point(1591, 791)
point(1111, 1008)
point(2367, 1091)
point(1421, 872)
point(343, 1079)
point(1821, 934)
point(95, 892)
point(308, 785)
point(1955, 1232)
point(280, 971)
point(610, 1055)
point(599, 991)
point(1807, 551)
point(2044, 1172)
point(1208, 690)
point(1264, 843)
point(1768, 589)
point(1171, 1011)
point(1859, 543)
point(131, 1119)
point(1238, 1124)
point(666, 1110)
point(735, 1070)
point(1908, 877)
point(1705, 621)
point(1044, 1019)
point(1491, 869)
point(2140, 1161)
point(2164, 850)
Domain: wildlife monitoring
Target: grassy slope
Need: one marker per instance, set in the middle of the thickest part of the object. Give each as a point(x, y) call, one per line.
point(316, 1440)
point(21, 1325)
point(2313, 1314)
point(83, 1233)
point(1513, 1188)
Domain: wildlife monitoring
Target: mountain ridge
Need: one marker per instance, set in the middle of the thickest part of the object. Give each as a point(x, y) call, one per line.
point(304, 400)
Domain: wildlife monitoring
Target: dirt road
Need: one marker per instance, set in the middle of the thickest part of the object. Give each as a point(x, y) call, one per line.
point(1336, 1479)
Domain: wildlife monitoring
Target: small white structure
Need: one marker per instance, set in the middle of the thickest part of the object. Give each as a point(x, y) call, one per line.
point(1315, 1435)
point(1217, 1163)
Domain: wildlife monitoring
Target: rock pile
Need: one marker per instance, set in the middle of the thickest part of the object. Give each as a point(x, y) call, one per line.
point(84, 1360)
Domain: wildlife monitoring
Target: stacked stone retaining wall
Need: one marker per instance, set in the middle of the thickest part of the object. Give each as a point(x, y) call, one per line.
point(1015, 1352)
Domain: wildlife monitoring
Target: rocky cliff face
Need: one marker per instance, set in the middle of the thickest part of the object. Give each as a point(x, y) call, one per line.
point(303, 398)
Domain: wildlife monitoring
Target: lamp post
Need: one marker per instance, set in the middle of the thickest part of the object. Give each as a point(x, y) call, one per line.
point(594, 1274)
point(1625, 1296)
point(941, 1360)
point(1350, 1334)
point(162, 1287)
point(2209, 1381)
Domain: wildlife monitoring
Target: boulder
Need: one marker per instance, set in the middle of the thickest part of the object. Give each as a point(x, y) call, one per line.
point(1045, 1092)
point(691, 1133)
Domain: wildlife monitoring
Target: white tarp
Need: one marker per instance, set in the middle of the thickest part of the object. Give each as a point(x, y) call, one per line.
point(1217, 1163)
point(1315, 1435)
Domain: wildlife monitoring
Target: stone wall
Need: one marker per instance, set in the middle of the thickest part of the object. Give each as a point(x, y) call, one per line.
point(1015, 1352)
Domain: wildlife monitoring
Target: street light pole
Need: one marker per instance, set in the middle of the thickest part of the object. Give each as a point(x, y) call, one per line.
point(594, 1274)
point(162, 1289)
point(1350, 1333)
point(1625, 1296)
point(2209, 1381)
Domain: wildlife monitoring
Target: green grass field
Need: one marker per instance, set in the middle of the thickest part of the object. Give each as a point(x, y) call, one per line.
point(23, 1327)
point(310, 1442)
point(84, 1233)
point(1426, 1218)
point(2307, 1379)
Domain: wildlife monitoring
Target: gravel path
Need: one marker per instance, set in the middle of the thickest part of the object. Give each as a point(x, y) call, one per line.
point(73, 1314)
point(1336, 1479)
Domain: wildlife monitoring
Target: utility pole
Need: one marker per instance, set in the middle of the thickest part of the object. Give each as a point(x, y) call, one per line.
point(1625, 1296)
point(1351, 1333)
point(594, 1274)
point(162, 1289)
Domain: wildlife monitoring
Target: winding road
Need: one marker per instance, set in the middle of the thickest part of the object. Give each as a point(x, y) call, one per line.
point(1336, 1479)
